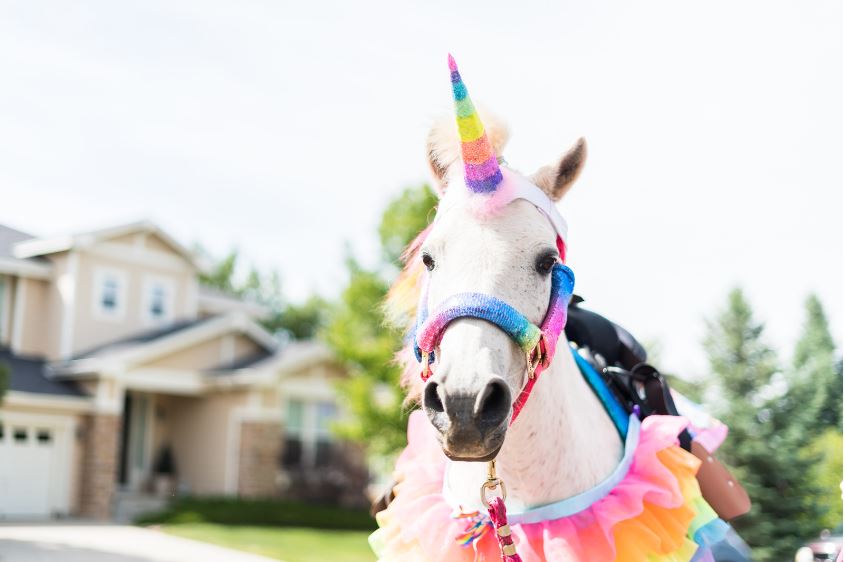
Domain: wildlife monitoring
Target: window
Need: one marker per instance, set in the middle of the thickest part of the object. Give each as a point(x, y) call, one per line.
point(2, 432)
point(308, 436)
point(294, 424)
point(19, 434)
point(109, 293)
point(326, 416)
point(157, 302)
point(44, 436)
point(108, 300)
point(157, 307)
point(295, 417)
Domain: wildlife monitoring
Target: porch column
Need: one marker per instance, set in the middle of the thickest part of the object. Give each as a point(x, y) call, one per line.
point(259, 458)
point(99, 465)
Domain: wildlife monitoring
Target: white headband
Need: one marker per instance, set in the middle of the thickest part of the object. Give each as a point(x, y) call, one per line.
point(514, 186)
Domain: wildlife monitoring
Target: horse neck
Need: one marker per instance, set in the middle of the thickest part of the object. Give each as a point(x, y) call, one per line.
point(563, 443)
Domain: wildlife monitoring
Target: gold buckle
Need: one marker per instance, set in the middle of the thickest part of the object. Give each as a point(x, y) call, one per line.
point(536, 356)
point(426, 366)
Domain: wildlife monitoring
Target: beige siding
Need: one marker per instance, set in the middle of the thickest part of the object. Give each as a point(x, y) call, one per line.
point(7, 289)
point(36, 337)
point(200, 430)
point(156, 244)
point(91, 328)
point(209, 354)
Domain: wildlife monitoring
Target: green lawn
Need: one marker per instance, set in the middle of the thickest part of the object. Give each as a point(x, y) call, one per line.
point(291, 544)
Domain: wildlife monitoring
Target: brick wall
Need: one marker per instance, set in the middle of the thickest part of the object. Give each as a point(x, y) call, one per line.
point(261, 447)
point(99, 465)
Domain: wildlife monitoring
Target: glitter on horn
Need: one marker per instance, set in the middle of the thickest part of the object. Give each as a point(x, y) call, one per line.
point(481, 168)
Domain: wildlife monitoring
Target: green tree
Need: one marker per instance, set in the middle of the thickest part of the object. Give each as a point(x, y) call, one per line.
point(299, 321)
point(360, 336)
point(763, 446)
point(404, 218)
point(825, 452)
point(814, 406)
point(816, 377)
point(364, 343)
point(221, 275)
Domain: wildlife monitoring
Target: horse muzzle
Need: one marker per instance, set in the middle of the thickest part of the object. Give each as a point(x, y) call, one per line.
point(471, 423)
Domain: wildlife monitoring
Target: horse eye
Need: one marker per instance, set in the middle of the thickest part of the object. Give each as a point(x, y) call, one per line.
point(428, 261)
point(545, 263)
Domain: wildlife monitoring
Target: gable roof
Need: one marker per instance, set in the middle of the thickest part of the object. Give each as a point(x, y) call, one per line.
point(139, 338)
point(9, 263)
point(147, 346)
point(34, 247)
point(28, 374)
point(8, 238)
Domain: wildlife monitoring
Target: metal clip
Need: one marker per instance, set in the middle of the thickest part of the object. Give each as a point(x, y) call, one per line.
point(492, 483)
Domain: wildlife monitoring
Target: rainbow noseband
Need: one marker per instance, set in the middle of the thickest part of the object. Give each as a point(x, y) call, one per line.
point(538, 342)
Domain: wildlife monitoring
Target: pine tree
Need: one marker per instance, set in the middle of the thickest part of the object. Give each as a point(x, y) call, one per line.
point(816, 376)
point(814, 408)
point(762, 446)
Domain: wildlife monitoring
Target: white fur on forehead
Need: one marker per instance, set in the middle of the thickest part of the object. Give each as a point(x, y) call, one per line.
point(444, 144)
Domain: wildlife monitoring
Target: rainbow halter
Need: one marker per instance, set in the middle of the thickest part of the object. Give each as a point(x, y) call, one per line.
point(538, 342)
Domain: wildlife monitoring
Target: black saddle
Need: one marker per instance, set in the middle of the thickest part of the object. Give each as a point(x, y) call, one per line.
point(621, 360)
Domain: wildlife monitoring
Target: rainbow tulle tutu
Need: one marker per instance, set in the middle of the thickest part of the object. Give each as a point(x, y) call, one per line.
point(654, 514)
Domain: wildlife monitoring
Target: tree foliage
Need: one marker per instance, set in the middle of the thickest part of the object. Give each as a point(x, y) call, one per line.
point(404, 218)
point(298, 320)
point(362, 339)
point(815, 379)
point(765, 445)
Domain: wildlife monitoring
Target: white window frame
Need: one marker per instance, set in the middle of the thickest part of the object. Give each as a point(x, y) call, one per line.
point(309, 433)
point(100, 276)
point(169, 286)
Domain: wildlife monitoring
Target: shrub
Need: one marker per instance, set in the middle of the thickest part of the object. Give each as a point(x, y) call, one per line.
point(263, 512)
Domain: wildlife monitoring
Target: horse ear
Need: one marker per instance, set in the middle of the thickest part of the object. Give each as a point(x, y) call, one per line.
point(556, 179)
point(437, 168)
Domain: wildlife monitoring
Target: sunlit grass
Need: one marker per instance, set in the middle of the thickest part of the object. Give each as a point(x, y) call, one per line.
point(291, 544)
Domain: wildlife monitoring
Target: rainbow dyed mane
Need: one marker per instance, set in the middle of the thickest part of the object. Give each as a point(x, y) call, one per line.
point(401, 310)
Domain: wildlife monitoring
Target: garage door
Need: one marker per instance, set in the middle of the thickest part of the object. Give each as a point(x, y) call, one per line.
point(33, 468)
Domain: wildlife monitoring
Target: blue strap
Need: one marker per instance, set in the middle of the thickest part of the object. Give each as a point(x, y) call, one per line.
point(580, 502)
point(614, 409)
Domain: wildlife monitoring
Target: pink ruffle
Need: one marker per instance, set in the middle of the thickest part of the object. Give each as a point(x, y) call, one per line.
point(419, 519)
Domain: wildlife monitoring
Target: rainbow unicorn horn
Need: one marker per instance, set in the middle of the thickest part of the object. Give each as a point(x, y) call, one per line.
point(481, 168)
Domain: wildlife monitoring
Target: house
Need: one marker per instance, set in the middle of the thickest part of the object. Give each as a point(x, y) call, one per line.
point(129, 378)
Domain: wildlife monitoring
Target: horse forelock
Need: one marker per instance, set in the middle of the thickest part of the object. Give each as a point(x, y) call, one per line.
point(401, 311)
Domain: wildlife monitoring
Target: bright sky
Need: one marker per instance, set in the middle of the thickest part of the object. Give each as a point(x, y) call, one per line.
point(284, 128)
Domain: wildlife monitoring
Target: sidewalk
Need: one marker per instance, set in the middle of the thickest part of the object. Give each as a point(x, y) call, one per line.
point(89, 542)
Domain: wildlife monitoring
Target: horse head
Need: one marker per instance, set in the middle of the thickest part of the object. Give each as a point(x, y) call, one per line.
point(496, 234)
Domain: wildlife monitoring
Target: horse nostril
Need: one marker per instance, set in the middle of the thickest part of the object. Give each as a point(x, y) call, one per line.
point(431, 399)
point(493, 404)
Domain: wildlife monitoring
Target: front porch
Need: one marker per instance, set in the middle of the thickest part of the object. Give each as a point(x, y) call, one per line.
point(161, 445)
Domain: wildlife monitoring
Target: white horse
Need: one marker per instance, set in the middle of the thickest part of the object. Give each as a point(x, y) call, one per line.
point(563, 444)
point(480, 371)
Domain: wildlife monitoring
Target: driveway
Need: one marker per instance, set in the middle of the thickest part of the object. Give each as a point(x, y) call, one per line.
point(79, 542)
